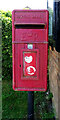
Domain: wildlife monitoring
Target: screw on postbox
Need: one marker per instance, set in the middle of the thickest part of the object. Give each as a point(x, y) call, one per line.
point(30, 49)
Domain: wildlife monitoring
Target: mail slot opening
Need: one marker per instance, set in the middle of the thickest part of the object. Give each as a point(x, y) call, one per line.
point(30, 26)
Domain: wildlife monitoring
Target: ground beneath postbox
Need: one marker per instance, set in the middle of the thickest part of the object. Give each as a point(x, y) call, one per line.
point(14, 103)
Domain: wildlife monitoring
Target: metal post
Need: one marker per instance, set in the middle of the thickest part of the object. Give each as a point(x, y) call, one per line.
point(56, 24)
point(47, 5)
point(54, 21)
point(57, 27)
point(31, 105)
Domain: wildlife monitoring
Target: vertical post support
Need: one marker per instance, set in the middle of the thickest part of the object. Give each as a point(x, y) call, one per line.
point(56, 24)
point(30, 105)
point(47, 4)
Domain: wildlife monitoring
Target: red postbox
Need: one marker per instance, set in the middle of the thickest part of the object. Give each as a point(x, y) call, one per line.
point(30, 49)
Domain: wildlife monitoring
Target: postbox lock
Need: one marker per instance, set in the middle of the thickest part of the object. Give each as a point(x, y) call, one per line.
point(30, 46)
point(20, 65)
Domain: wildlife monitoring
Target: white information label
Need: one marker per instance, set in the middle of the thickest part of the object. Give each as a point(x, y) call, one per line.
point(29, 70)
point(28, 59)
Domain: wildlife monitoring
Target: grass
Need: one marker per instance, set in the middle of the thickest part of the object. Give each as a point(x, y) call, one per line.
point(43, 107)
point(15, 103)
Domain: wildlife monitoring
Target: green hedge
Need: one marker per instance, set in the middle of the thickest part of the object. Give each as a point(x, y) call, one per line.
point(6, 44)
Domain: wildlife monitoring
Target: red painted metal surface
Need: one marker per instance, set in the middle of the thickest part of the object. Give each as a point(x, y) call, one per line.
point(30, 49)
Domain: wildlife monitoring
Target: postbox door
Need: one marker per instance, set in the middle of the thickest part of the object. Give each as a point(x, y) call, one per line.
point(29, 64)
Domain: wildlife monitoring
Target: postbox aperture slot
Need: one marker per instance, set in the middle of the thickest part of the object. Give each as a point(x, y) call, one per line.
point(30, 26)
